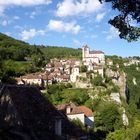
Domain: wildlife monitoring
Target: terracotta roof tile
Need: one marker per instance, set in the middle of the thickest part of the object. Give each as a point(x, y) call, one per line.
point(86, 110)
point(96, 52)
point(75, 109)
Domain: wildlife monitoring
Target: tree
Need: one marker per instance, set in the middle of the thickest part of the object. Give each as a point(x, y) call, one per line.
point(97, 81)
point(83, 68)
point(77, 96)
point(132, 133)
point(129, 12)
point(109, 118)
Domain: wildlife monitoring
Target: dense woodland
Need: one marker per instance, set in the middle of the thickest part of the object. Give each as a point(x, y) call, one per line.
point(18, 58)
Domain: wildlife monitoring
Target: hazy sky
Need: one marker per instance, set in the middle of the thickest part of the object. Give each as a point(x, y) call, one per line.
point(69, 23)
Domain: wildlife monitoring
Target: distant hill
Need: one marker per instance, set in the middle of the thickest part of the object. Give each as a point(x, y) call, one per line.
point(61, 52)
point(11, 48)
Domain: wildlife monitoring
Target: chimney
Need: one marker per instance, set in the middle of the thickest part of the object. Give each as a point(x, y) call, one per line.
point(68, 109)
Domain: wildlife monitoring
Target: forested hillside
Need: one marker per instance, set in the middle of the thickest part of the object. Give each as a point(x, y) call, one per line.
point(60, 52)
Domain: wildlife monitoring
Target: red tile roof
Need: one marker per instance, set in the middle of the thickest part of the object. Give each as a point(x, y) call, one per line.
point(96, 52)
point(76, 109)
point(86, 110)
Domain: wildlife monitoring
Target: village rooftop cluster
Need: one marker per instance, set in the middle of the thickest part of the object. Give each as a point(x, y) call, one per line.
point(67, 70)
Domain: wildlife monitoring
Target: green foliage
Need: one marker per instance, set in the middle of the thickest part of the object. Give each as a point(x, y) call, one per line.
point(77, 96)
point(56, 88)
point(128, 10)
point(117, 60)
point(108, 79)
point(16, 50)
point(115, 89)
point(133, 96)
point(60, 52)
point(114, 68)
point(62, 93)
point(92, 103)
point(83, 68)
point(97, 81)
point(132, 133)
point(109, 118)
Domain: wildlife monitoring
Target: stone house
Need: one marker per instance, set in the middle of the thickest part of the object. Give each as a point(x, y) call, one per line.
point(39, 79)
point(83, 113)
point(74, 73)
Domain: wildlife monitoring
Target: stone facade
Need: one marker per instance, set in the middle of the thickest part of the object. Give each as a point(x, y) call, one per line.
point(92, 56)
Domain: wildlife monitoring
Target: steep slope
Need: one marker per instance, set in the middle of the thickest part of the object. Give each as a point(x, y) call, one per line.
point(11, 48)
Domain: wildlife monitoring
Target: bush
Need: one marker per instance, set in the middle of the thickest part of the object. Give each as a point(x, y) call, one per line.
point(97, 81)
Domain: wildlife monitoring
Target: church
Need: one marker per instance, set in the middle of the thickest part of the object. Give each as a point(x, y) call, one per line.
point(94, 60)
point(89, 57)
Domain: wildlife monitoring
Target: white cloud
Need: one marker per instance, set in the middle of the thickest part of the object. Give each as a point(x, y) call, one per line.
point(77, 7)
point(26, 35)
point(4, 23)
point(36, 12)
point(100, 16)
point(94, 36)
point(60, 26)
point(16, 17)
point(76, 42)
point(7, 33)
point(1, 10)
point(6, 3)
point(18, 27)
point(33, 14)
point(112, 33)
point(24, 2)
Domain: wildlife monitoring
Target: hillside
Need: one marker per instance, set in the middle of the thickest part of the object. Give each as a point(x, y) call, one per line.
point(60, 52)
point(11, 48)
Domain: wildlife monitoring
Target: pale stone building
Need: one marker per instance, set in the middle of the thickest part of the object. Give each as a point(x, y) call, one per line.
point(83, 113)
point(94, 60)
point(92, 56)
point(74, 73)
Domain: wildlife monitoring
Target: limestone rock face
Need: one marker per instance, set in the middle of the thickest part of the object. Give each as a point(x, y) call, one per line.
point(115, 97)
point(119, 79)
point(134, 81)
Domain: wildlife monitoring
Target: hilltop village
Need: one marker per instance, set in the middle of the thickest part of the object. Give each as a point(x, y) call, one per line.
point(68, 70)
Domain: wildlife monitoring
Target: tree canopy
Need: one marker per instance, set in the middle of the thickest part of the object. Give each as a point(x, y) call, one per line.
point(128, 19)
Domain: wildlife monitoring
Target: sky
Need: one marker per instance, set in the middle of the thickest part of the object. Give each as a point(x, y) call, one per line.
point(68, 23)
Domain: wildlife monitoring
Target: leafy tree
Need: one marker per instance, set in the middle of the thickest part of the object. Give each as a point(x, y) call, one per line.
point(56, 98)
point(115, 88)
point(77, 96)
point(132, 133)
point(97, 81)
point(53, 89)
point(109, 118)
point(83, 68)
point(129, 11)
